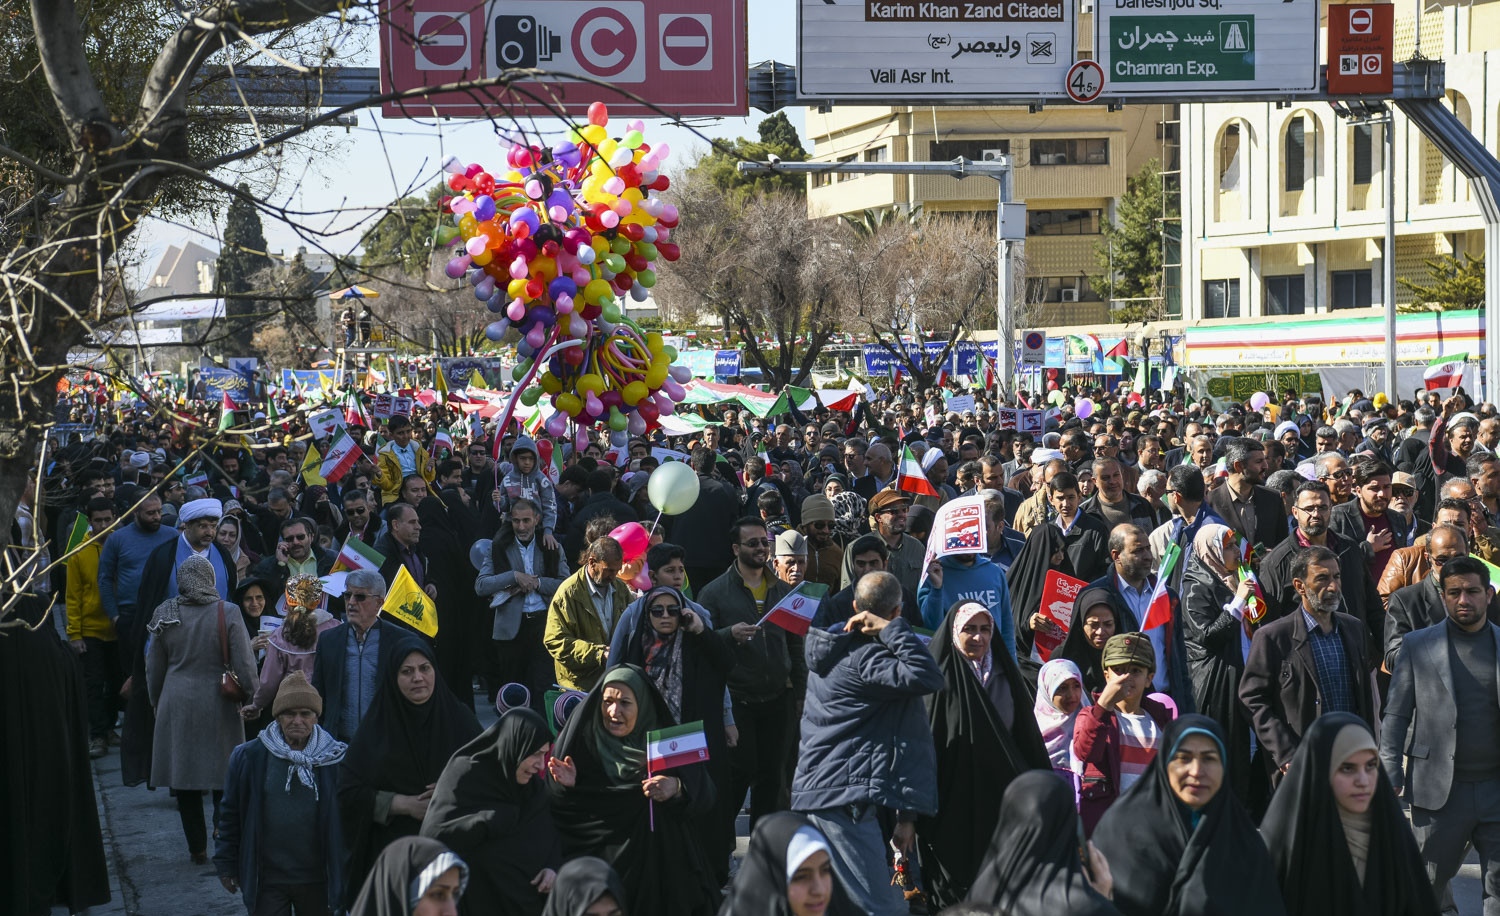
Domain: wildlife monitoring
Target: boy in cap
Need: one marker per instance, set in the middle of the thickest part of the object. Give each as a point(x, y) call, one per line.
point(1116, 738)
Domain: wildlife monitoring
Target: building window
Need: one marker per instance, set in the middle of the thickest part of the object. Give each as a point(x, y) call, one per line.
point(1286, 295)
point(1070, 152)
point(1364, 152)
point(1296, 151)
point(1221, 298)
point(878, 154)
point(845, 176)
point(1352, 290)
point(1060, 289)
point(948, 150)
point(1063, 222)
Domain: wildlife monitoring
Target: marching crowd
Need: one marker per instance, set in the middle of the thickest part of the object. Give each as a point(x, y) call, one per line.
point(1273, 686)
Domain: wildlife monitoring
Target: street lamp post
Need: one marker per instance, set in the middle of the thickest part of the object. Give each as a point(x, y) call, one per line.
point(1010, 228)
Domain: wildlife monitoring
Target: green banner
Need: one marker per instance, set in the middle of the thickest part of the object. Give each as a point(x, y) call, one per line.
point(1189, 49)
point(1239, 386)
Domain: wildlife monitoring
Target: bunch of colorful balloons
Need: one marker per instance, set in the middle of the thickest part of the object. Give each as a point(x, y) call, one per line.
point(550, 245)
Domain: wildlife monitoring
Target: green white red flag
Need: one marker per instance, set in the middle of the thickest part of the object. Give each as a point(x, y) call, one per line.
point(1159, 610)
point(343, 453)
point(676, 747)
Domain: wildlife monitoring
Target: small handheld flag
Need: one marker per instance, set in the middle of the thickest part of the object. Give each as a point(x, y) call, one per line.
point(226, 413)
point(1445, 372)
point(343, 454)
point(676, 747)
point(910, 477)
point(356, 554)
point(407, 603)
point(796, 610)
point(1159, 611)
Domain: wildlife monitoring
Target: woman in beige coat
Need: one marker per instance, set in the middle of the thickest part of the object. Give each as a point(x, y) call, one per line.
point(196, 726)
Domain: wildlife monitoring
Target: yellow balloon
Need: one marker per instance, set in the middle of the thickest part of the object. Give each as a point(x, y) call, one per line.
point(484, 257)
point(517, 289)
point(551, 383)
point(595, 134)
point(590, 382)
point(569, 403)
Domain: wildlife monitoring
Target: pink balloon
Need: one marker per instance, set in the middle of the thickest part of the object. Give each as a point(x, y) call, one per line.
point(633, 540)
point(642, 580)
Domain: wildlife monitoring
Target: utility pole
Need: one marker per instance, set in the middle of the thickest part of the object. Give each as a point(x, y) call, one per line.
point(1010, 229)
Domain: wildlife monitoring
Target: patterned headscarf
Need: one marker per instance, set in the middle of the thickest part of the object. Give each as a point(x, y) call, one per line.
point(849, 509)
point(195, 586)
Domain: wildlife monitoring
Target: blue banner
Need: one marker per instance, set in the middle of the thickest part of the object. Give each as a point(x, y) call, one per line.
point(1056, 354)
point(726, 363)
point(291, 379)
point(699, 362)
point(963, 359)
point(215, 382)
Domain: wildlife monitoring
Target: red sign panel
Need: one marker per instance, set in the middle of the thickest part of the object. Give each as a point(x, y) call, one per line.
point(1361, 49)
point(684, 57)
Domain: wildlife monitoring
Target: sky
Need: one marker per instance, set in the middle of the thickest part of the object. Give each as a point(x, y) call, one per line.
point(382, 159)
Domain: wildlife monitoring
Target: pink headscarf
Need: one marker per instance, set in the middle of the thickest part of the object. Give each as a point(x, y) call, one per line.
point(965, 613)
point(1057, 726)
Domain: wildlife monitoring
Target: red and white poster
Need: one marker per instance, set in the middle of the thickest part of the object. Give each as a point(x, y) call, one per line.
point(1058, 596)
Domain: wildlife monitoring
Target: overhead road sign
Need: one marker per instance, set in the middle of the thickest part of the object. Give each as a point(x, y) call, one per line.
point(1361, 49)
point(684, 57)
point(906, 50)
point(1195, 48)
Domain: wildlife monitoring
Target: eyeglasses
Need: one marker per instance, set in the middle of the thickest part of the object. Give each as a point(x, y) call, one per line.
point(670, 610)
point(763, 542)
point(359, 596)
point(1310, 510)
point(351, 510)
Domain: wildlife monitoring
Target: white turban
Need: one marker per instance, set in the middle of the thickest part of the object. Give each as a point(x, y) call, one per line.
point(930, 457)
point(140, 460)
point(200, 508)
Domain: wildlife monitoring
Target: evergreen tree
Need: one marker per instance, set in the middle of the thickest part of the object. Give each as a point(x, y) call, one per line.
point(403, 237)
point(777, 138)
point(1130, 254)
point(243, 256)
point(777, 130)
point(1453, 284)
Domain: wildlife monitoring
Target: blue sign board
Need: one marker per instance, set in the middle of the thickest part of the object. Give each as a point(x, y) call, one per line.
point(726, 363)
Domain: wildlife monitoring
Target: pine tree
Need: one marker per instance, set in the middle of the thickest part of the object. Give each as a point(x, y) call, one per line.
point(1453, 284)
point(1130, 254)
point(777, 130)
point(243, 256)
point(777, 138)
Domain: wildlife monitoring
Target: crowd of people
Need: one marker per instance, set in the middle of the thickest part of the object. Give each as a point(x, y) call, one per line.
point(1275, 689)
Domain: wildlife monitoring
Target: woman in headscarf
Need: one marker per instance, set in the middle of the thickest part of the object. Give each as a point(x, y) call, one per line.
point(687, 662)
point(1094, 621)
point(293, 646)
point(448, 530)
point(586, 886)
point(850, 513)
point(491, 807)
point(1218, 640)
point(1178, 845)
point(197, 727)
point(1059, 697)
point(606, 803)
point(413, 726)
point(1034, 866)
point(834, 484)
point(786, 872)
point(984, 737)
point(231, 537)
point(413, 876)
point(1339, 840)
point(253, 597)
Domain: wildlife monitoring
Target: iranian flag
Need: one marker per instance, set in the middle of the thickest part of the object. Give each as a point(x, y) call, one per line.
point(1445, 372)
point(356, 554)
point(795, 612)
point(675, 747)
point(343, 452)
point(910, 477)
point(443, 440)
point(1159, 611)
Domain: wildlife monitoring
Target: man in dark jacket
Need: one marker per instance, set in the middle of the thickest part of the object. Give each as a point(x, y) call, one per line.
point(352, 656)
point(1419, 606)
point(600, 502)
point(283, 848)
point(865, 741)
point(1306, 663)
point(1367, 519)
point(1311, 506)
point(296, 551)
point(702, 530)
point(1112, 503)
point(769, 675)
point(1249, 508)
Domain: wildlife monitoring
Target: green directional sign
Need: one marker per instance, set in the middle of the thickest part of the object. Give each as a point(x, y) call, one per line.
point(1188, 49)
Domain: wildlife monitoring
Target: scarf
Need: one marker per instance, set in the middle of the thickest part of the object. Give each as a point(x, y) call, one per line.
point(624, 759)
point(661, 656)
point(322, 750)
point(1056, 725)
point(1348, 741)
point(196, 586)
point(1209, 544)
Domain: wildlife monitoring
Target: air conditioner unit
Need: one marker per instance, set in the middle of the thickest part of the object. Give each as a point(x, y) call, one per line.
point(991, 155)
point(1070, 295)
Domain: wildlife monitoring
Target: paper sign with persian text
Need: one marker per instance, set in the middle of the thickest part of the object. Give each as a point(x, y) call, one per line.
point(1058, 596)
point(388, 405)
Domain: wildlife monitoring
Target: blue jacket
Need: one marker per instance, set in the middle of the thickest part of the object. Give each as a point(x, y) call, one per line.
point(1005, 553)
point(983, 582)
point(865, 738)
point(237, 851)
point(121, 562)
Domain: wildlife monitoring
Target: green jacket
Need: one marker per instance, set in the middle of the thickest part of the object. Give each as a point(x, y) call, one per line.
point(575, 637)
point(772, 662)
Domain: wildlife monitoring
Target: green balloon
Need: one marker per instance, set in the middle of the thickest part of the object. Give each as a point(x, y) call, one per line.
point(531, 395)
point(610, 312)
point(617, 420)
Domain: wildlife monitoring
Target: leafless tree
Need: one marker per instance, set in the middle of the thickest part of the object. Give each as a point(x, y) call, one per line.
point(772, 276)
point(431, 310)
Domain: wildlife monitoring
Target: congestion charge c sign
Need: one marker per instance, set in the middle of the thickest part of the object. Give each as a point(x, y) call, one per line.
point(1085, 81)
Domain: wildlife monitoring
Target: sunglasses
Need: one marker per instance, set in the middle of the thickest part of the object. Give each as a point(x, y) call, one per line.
point(359, 596)
point(1339, 475)
point(763, 542)
point(820, 524)
point(670, 610)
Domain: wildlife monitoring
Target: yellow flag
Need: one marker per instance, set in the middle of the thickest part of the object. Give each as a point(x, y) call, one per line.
point(477, 381)
point(440, 382)
point(311, 465)
point(410, 605)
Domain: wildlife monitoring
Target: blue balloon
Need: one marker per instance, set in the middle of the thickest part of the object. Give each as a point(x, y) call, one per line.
point(497, 302)
point(497, 329)
point(485, 288)
point(484, 208)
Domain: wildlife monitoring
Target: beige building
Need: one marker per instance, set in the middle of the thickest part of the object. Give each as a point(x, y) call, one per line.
point(1071, 163)
point(1283, 207)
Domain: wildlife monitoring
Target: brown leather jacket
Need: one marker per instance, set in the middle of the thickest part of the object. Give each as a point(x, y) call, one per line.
point(1407, 566)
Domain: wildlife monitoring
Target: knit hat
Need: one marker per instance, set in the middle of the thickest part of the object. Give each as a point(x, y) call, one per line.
point(512, 696)
point(817, 508)
point(1129, 649)
point(296, 693)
